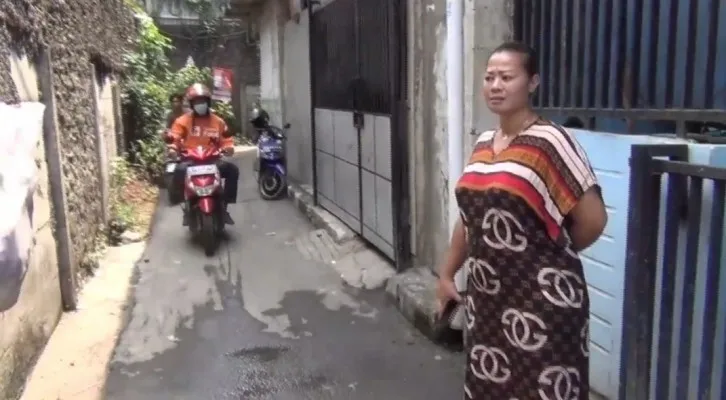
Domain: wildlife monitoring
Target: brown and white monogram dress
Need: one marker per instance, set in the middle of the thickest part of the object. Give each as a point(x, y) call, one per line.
point(527, 303)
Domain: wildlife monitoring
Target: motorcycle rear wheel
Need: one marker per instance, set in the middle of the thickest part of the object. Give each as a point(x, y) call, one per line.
point(272, 185)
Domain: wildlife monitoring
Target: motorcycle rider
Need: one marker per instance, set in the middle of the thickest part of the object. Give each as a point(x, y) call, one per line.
point(197, 128)
point(177, 109)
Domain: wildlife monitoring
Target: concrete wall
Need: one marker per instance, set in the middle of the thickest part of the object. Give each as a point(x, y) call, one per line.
point(486, 25)
point(271, 59)
point(25, 328)
point(296, 99)
point(285, 86)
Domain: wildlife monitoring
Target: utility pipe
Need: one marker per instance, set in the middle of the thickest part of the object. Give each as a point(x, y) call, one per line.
point(455, 85)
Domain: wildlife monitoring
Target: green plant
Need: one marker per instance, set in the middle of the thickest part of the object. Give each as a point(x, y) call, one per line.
point(122, 214)
point(225, 111)
point(149, 81)
point(150, 156)
point(145, 92)
point(121, 173)
point(180, 80)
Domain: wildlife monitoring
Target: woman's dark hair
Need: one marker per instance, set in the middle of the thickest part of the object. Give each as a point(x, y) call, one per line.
point(529, 55)
point(176, 96)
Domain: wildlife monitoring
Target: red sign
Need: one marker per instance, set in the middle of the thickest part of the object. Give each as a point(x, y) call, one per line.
point(222, 79)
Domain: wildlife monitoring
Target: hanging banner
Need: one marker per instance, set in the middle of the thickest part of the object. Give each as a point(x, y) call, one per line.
point(22, 128)
point(222, 90)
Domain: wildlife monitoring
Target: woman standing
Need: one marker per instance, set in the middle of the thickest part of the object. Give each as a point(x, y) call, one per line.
point(529, 201)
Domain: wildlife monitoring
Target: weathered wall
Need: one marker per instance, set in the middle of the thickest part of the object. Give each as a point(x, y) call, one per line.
point(26, 326)
point(486, 25)
point(296, 99)
point(106, 117)
point(79, 33)
point(271, 60)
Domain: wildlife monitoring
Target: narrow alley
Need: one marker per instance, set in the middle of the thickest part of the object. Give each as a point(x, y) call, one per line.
point(265, 319)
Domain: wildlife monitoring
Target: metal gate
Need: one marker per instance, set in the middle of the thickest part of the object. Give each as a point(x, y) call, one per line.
point(674, 312)
point(358, 49)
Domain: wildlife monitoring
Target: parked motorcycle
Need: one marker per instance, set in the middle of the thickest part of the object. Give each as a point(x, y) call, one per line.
point(271, 163)
point(203, 196)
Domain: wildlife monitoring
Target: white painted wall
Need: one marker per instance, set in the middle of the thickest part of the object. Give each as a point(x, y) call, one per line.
point(271, 36)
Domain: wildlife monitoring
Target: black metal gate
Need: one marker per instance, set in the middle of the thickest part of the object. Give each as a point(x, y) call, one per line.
point(674, 312)
point(358, 53)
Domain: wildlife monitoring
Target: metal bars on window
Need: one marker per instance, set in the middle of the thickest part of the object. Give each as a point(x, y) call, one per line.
point(639, 59)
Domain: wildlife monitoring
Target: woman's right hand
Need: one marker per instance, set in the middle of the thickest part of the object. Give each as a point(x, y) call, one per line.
point(445, 292)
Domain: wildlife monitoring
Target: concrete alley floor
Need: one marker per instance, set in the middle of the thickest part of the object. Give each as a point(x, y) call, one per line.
point(263, 319)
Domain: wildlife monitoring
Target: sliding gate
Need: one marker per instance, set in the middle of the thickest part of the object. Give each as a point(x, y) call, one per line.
point(358, 81)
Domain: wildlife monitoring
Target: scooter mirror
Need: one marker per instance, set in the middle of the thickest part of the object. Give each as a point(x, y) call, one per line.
point(286, 126)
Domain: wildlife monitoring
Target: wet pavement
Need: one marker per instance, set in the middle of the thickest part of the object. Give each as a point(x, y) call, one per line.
point(263, 319)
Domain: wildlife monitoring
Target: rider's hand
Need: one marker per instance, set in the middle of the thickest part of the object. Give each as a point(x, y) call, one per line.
point(445, 292)
point(228, 151)
point(171, 151)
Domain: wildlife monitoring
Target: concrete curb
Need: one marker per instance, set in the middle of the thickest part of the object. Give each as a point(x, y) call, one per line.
point(302, 197)
point(414, 294)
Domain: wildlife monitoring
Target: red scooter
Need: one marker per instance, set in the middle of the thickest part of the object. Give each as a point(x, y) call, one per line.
point(203, 195)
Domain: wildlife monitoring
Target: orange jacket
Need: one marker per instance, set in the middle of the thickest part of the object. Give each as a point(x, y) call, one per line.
point(189, 131)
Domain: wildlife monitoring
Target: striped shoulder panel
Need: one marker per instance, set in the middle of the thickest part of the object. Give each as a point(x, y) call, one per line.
point(563, 150)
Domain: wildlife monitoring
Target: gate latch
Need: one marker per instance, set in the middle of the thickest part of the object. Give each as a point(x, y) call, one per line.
point(358, 120)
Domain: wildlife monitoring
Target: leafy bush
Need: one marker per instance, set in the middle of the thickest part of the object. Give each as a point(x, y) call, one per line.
point(147, 68)
point(148, 83)
point(145, 94)
point(122, 214)
point(180, 80)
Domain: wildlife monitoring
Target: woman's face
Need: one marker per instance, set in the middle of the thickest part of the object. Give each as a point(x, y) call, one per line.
point(507, 86)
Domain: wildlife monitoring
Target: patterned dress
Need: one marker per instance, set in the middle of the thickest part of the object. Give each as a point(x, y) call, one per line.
point(527, 305)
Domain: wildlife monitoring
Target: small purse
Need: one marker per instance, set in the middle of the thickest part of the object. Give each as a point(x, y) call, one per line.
point(453, 316)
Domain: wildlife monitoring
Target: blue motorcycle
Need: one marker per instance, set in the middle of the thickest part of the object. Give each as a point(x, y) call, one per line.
point(270, 166)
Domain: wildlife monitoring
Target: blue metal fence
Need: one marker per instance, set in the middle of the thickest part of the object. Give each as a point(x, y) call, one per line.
point(655, 60)
point(673, 339)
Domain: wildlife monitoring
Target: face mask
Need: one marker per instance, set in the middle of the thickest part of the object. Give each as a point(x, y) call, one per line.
point(201, 109)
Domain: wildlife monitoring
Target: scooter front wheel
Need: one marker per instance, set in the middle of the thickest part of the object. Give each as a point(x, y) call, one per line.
point(272, 185)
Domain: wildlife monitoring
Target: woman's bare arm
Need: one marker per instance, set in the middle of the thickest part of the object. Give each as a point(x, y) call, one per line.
point(456, 254)
point(588, 220)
